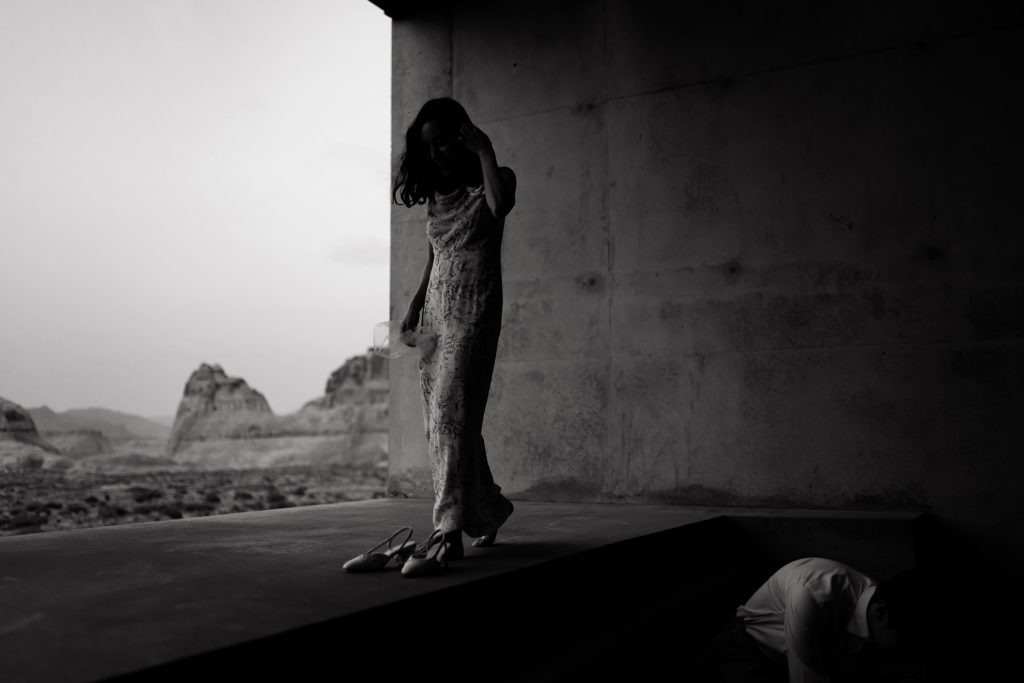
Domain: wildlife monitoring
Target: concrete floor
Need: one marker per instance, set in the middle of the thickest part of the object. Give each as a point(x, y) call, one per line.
point(91, 604)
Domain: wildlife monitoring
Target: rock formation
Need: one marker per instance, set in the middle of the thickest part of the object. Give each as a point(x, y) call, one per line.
point(362, 380)
point(216, 406)
point(20, 442)
point(354, 404)
point(222, 422)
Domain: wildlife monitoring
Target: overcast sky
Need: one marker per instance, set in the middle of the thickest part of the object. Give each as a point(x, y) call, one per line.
point(188, 181)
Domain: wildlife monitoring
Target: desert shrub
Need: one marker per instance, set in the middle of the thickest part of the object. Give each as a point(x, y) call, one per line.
point(112, 511)
point(32, 462)
point(142, 494)
point(26, 521)
point(171, 510)
point(226, 491)
point(202, 508)
point(55, 505)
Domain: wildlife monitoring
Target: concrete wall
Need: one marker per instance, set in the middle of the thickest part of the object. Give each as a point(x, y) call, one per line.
point(760, 255)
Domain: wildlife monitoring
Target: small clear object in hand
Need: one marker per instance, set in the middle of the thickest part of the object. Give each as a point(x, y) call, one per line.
point(390, 342)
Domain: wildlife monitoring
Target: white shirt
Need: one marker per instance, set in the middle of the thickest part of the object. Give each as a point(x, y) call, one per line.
point(810, 614)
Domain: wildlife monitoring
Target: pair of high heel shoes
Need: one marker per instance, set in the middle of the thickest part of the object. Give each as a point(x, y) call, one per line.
point(430, 558)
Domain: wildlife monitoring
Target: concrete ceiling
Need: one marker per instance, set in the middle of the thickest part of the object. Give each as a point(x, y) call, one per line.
point(396, 9)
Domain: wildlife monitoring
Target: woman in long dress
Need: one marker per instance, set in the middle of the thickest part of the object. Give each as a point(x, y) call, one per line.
point(450, 165)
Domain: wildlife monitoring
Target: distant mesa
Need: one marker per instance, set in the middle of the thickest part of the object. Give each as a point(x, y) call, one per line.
point(44, 418)
point(362, 380)
point(20, 442)
point(353, 408)
point(114, 426)
point(223, 422)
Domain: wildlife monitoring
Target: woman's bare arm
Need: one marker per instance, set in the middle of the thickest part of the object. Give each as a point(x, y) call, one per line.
point(499, 183)
point(412, 315)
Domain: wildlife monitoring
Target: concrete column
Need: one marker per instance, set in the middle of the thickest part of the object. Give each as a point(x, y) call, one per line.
point(421, 68)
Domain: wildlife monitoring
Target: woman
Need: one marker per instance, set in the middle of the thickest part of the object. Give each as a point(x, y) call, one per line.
point(449, 165)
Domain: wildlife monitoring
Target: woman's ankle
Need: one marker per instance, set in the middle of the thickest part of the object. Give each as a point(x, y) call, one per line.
point(454, 541)
point(486, 540)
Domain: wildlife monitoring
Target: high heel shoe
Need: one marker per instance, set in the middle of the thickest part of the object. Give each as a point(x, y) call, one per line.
point(372, 560)
point(430, 560)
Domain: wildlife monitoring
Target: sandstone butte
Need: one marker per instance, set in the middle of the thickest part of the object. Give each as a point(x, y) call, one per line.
point(20, 442)
point(223, 422)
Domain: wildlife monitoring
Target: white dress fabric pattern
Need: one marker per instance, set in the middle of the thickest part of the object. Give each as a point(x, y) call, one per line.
point(463, 309)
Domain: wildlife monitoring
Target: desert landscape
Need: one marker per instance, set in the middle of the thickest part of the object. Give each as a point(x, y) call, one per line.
point(225, 452)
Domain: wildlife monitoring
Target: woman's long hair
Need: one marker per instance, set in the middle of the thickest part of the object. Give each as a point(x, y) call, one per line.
point(416, 178)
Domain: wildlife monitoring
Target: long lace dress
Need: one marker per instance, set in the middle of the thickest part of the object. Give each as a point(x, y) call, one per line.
point(463, 308)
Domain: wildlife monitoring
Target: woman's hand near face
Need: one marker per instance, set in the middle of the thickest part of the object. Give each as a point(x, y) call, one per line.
point(499, 184)
point(475, 140)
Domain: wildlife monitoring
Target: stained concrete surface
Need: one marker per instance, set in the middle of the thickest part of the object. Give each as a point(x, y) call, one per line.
point(571, 590)
point(87, 604)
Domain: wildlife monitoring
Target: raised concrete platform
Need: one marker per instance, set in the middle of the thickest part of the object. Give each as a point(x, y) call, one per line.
point(570, 590)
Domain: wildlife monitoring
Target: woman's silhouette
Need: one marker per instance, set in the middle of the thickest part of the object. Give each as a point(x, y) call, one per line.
point(450, 165)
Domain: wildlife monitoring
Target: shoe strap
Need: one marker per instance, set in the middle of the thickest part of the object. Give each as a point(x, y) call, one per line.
point(424, 550)
point(391, 538)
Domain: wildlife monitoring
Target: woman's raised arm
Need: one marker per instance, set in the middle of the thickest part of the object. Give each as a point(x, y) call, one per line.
point(499, 182)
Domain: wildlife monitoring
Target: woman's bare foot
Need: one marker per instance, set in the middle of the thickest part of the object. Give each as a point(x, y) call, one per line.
point(486, 540)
